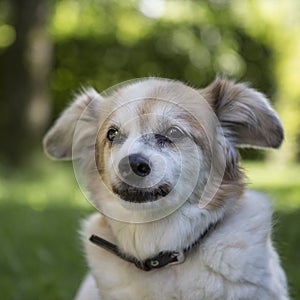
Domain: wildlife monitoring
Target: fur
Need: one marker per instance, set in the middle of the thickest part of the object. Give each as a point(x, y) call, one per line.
point(199, 165)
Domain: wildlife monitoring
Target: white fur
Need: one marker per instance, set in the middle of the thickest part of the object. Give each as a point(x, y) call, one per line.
point(234, 261)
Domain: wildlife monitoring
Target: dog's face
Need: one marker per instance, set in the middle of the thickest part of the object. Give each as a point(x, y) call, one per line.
point(140, 157)
point(151, 147)
point(156, 144)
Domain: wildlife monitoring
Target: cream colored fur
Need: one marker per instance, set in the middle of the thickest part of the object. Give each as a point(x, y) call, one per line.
point(234, 261)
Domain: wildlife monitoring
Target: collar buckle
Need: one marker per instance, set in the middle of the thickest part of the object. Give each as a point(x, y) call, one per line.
point(163, 259)
point(179, 256)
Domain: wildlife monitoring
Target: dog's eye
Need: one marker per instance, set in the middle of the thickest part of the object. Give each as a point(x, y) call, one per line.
point(112, 133)
point(174, 133)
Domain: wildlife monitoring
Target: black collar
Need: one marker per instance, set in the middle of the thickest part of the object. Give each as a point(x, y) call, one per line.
point(160, 260)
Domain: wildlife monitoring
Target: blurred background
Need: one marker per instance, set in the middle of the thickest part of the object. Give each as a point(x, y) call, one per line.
point(50, 49)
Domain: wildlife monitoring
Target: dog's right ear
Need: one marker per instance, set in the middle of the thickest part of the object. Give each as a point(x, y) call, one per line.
point(245, 115)
point(58, 141)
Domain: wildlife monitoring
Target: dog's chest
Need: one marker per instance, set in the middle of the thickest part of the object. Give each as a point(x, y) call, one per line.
point(199, 277)
point(191, 280)
point(236, 261)
point(118, 279)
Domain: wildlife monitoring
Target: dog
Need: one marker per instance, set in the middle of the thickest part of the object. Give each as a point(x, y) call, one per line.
point(159, 160)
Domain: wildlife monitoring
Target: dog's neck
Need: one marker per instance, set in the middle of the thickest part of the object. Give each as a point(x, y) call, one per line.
point(173, 232)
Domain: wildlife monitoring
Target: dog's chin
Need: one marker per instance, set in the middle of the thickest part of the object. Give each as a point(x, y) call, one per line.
point(141, 195)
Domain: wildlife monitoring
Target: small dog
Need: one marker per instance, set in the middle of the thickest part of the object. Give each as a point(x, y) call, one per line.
point(159, 160)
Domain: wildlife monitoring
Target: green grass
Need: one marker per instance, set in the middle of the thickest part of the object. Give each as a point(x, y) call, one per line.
point(41, 208)
point(40, 254)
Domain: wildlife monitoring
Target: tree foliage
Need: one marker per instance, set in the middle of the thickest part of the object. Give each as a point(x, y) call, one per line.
point(191, 41)
point(105, 42)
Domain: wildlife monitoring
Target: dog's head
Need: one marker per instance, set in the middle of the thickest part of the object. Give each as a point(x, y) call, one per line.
point(155, 144)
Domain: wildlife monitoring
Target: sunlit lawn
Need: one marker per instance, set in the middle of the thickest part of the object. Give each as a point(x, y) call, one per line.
point(41, 208)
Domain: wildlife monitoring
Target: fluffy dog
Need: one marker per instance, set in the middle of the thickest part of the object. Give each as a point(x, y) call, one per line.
point(159, 160)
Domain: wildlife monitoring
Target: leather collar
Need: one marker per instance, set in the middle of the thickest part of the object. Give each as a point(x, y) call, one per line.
point(160, 260)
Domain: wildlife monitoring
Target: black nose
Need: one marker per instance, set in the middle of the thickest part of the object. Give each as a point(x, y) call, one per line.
point(136, 163)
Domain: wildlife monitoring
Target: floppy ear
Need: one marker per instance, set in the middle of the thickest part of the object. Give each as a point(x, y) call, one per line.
point(245, 115)
point(59, 139)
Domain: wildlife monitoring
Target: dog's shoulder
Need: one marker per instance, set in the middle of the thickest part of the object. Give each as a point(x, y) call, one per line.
point(241, 247)
point(250, 222)
point(253, 214)
point(246, 225)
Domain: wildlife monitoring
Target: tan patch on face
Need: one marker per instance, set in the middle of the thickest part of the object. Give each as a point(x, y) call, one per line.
point(101, 146)
point(229, 189)
point(199, 134)
point(146, 107)
point(98, 156)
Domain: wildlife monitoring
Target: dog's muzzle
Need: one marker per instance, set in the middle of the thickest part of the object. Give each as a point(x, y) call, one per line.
point(134, 184)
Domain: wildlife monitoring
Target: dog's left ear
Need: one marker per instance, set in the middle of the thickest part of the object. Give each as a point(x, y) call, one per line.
point(245, 115)
point(60, 139)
